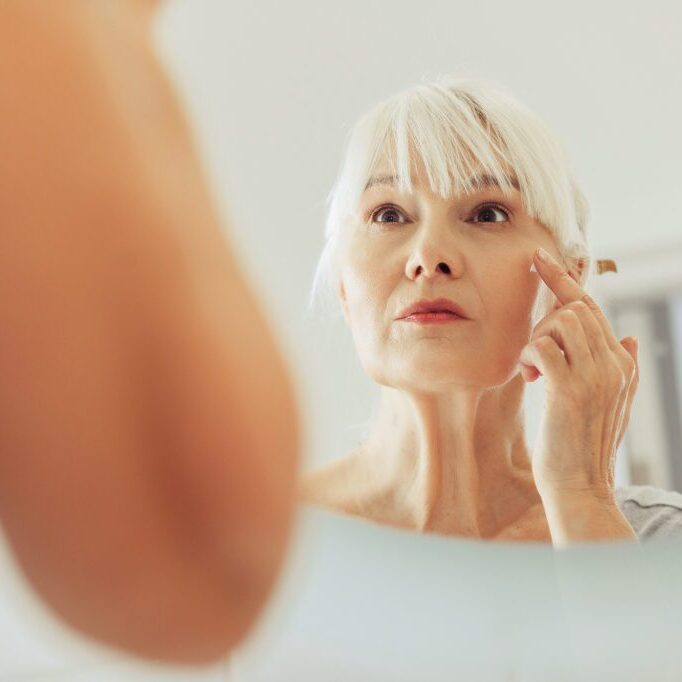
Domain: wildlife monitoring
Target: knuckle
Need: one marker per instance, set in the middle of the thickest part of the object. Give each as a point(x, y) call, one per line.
point(569, 315)
point(544, 344)
point(578, 306)
point(631, 367)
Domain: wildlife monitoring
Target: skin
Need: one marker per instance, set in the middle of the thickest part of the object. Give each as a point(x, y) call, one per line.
point(591, 380)
point(447, 452)
point(139, 490)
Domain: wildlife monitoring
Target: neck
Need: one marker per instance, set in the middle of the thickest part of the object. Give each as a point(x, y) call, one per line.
point(449, 462)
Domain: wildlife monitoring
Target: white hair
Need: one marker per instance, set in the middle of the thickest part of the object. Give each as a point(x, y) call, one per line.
point(458, 129)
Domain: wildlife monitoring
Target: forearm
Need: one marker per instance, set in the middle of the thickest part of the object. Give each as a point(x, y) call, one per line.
point(583, 518)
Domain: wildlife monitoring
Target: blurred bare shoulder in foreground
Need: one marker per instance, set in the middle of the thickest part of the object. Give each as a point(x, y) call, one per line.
point(149, 432)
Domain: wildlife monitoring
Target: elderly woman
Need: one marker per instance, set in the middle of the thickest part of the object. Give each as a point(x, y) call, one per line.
point(450, 195)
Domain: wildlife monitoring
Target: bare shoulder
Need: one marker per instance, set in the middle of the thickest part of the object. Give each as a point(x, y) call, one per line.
point(331, 484)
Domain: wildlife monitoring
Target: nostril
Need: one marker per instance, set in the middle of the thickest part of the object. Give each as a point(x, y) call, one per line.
point(444, 267)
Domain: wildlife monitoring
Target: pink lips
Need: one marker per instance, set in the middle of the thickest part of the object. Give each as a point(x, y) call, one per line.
point(436, 311)
point(433, 318)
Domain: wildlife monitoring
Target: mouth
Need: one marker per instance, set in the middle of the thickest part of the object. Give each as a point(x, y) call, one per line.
point(438, 310)
point(433, 317)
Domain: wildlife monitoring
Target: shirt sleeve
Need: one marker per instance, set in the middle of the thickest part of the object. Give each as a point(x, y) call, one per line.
point(652, 512)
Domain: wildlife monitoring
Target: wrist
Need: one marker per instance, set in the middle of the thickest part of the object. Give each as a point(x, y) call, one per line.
point(577, 494)
point(581, 516)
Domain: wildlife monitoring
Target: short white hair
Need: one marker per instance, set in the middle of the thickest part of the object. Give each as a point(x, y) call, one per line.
point(458, 128)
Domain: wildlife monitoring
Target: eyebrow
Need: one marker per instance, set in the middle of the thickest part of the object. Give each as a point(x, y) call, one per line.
point(478, 182)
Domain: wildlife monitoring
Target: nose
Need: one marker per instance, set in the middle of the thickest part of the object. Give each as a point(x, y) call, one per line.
point(428, 256)
point(428, 272)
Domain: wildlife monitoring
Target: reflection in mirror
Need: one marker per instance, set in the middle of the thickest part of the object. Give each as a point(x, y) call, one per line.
point(446, 192)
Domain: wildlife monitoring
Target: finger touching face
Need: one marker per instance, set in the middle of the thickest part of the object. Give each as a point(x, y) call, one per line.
point(473, 249)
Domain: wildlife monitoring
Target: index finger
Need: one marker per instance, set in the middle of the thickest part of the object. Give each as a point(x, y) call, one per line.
point(568, 290)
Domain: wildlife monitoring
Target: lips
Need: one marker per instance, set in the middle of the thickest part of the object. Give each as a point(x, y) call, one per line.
point(439, 305)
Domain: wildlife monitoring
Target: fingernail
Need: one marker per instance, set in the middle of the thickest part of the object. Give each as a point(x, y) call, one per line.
point(633, 341)
point(543, 255)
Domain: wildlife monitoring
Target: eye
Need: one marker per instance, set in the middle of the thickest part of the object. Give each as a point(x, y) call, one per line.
point(390, 214)
point(488, 209)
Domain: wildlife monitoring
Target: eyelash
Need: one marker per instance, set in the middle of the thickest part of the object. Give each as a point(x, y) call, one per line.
point(475, 211)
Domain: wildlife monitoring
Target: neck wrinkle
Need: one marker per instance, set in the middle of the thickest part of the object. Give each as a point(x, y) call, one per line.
point(447, 458)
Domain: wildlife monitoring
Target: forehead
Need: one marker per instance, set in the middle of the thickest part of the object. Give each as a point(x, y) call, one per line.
point(445, 163)
point(478, 181)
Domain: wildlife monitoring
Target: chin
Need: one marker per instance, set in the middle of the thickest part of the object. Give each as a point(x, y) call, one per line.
point(427, 377)
point(439, 372)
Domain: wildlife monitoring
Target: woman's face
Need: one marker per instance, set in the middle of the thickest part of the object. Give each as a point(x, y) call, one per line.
point(473, 249)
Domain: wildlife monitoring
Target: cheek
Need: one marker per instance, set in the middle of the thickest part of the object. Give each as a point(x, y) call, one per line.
point(368, 296)
point(369, 281)
point(514, 307)
point(363, 299)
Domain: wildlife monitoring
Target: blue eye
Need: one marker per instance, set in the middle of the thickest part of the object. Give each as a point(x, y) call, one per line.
point(488, 209)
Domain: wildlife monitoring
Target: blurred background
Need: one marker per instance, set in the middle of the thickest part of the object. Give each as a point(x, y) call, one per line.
point(272, 88)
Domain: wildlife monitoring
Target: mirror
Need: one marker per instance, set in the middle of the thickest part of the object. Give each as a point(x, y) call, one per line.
point(389, 402)
point(425, 176)
point(445, 450)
